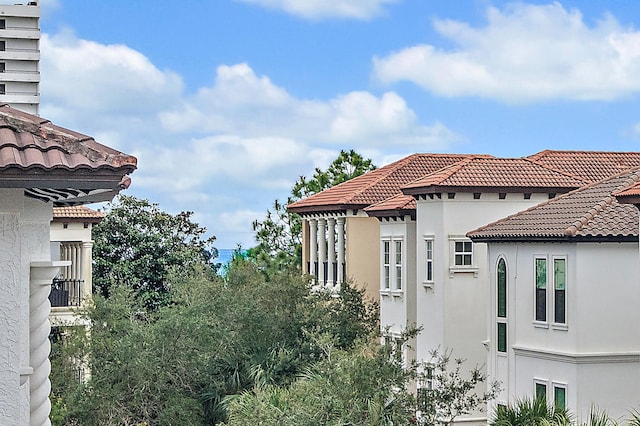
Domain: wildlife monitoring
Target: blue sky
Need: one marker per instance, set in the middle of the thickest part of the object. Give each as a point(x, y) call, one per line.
point(226, 102)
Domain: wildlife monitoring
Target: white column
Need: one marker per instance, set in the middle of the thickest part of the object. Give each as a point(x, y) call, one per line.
point(87, 289)
point(313, 247)
point(322, 250)
point(331, 244)
point(42, 274)
point(341, 249)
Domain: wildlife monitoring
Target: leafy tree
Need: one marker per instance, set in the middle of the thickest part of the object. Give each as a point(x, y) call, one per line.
point(279, 235)
point(447, 393)
point(137, 245)
point(367, 386)
point(219, 336)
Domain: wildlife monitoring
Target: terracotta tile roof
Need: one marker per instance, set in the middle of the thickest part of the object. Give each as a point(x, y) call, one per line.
point(57, 164)
point(591, 165)
point(375, 186)
point(397, 206)
point(589, 213)
point(76, 214)
point(490, 174)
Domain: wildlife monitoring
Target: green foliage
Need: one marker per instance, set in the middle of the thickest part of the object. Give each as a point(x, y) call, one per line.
point(279, 235)
point(367, 386)
point(218, 337)
point(138, 245)
point(530, 412)
point(447, 393)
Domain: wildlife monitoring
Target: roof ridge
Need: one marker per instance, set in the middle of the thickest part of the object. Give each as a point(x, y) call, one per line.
point(562, 172)
point(449, 170)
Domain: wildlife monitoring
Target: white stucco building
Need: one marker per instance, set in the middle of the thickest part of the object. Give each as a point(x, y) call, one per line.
point(41, 166)
point(563, 300)
point(20, 55)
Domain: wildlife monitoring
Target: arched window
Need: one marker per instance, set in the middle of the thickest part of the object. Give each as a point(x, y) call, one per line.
point(502, 288)
point(501, 296)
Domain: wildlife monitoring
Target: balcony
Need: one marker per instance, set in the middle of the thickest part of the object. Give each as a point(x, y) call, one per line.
point(325, 266)
point(66, 292)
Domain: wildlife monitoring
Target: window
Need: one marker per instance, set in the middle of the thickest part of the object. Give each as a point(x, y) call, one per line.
point(398, 268)
point(386, 262)
point(541, 391)
point(463, 253)
point(559, 291)
point(3, 45)
point(428, 260)
point(502, 288)
point(541, 290)
point(3, 24)
point(502, 337)
point(2, 66)
point(560, 396)
point(3, 89)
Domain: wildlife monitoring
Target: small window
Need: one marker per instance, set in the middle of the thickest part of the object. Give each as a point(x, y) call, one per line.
point(463, 254)
point(398, 264)
point(3, 89)
point(541, 290)
point(2, 66)
point(502, 288)
point(560, 397)
point(3, 24)
point(429, 261)
point(559, 287)
point(541, 391)
point(502, 337)
point(386, 248)
point(3, 45)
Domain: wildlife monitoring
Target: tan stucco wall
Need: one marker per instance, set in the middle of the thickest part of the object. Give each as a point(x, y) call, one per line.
point(363, 254)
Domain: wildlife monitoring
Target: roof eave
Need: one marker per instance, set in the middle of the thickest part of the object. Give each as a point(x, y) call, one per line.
point(434, 189)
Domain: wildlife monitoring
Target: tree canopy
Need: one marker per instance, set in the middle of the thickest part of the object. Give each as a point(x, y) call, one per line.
point(279, 235)
point(137, 245)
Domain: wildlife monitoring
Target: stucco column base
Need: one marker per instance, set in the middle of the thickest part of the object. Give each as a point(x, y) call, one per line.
point(42, 274)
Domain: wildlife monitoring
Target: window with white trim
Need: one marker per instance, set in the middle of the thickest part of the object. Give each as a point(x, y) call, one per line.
point(463, 253)
point(501, 303)
point(428, 260)
point(392, 264)
point(540, 296)
point(540, 389)
point(398, 265)
point(560, 396)
point(386, 256)
point(559, 291)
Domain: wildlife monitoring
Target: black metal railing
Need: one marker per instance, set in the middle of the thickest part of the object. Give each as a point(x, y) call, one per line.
point(65, 292)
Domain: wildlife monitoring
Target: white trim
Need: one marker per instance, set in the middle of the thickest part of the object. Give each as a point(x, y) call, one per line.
point(578, 358)
point(453, 267)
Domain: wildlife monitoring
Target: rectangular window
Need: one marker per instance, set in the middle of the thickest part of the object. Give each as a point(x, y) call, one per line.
point(3, 45)
point(541, 290)
point(541, 391)
point(387, 264)
point(429, 261)
point(560, 397)
point(559, 291)
point(2, 66)
point(398, 268)
point(3, 24)
point(502, 337)
point(463, 254)
point(3, 89)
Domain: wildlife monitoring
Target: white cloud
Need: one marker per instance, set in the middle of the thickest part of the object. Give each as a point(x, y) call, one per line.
point(321, 9)
point(240, 102)
point(234, 146)
point(103, 77)
point(524, 53)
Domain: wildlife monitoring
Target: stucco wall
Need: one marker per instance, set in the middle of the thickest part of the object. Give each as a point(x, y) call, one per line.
point(363, 253)
point(24, 237)
point(597, 354)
